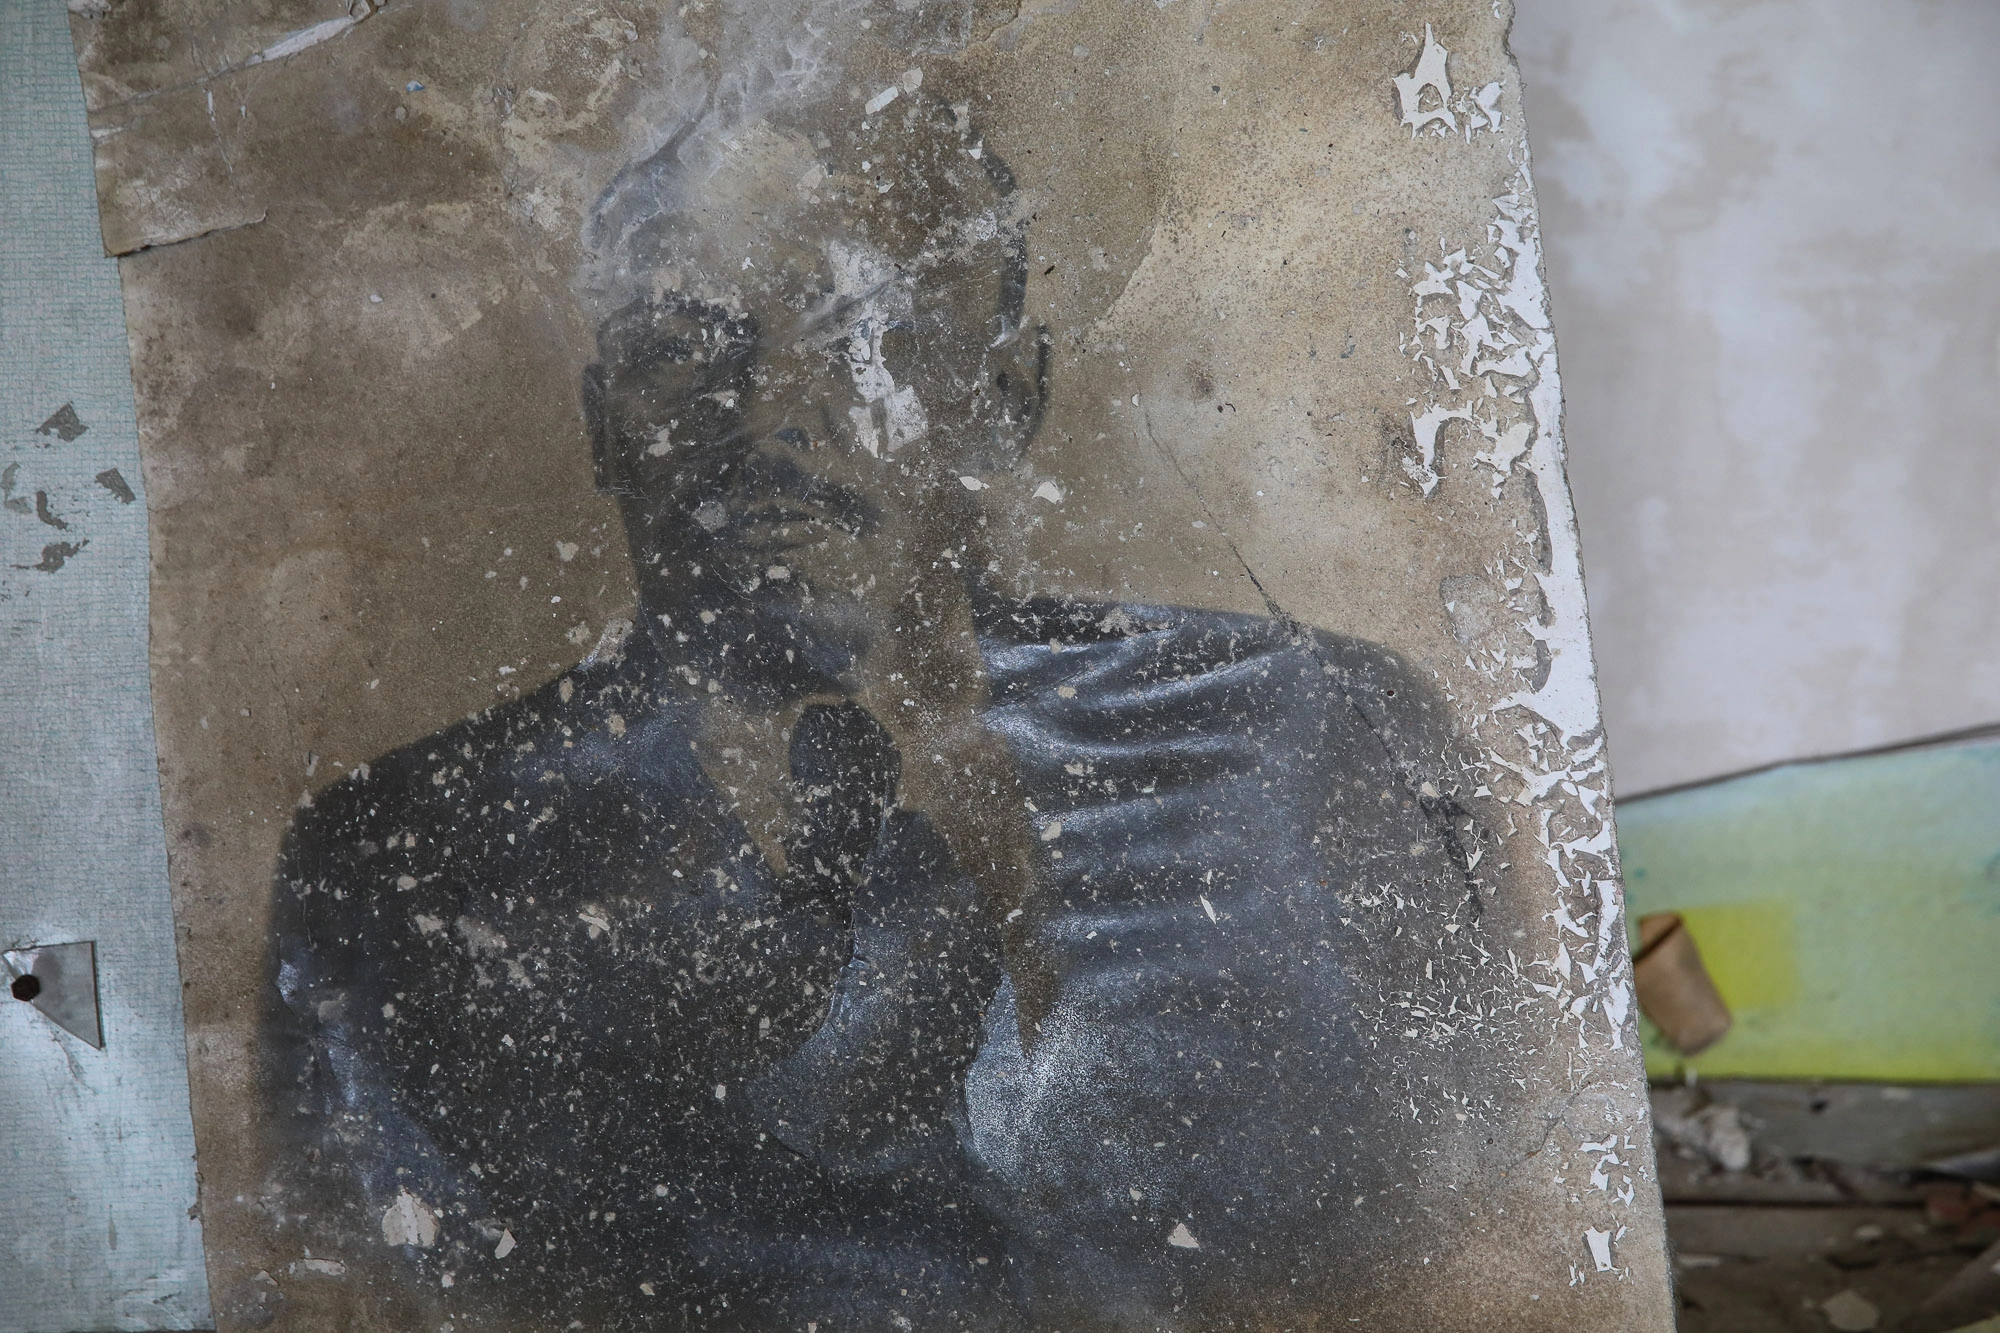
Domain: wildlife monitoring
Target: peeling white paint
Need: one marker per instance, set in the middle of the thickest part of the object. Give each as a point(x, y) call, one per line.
point(1426, 101)
point(1424, 426)
point(1481, 344)
point(1431, 76)
point(1501, 307)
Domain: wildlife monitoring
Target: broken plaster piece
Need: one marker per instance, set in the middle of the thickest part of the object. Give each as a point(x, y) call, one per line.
point(408, 1220)
point(60, 981)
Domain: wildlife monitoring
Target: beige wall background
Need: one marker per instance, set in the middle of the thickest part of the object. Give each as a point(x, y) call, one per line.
point(1771, 231)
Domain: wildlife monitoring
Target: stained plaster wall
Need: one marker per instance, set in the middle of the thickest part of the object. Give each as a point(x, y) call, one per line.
point(1771, 235)
point(1304, 365)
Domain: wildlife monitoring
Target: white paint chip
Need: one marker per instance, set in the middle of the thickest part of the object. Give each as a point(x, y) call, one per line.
point(1181, 1238)
point(566, 551)
point(1209, 908)
point(972, 483)
point(882, 99)
point(408, 1220)
point(506, 1245)
point(1851, 1312)
point(1049, 491)
point(1600, 1249)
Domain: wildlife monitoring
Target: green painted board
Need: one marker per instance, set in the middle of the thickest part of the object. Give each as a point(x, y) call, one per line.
point(1848, 910)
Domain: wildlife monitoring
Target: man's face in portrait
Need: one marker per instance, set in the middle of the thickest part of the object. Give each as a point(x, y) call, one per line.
point(828, 338)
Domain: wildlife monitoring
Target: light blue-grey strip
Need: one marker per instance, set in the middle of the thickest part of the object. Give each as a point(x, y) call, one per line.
point(97, 1147)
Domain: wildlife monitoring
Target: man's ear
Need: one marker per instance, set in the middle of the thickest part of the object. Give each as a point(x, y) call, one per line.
point(607, 467)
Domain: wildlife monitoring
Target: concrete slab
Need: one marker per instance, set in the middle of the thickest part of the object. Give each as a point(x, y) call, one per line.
point(1024, 754)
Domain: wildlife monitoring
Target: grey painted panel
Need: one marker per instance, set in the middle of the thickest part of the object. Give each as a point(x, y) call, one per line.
point(97, 1145)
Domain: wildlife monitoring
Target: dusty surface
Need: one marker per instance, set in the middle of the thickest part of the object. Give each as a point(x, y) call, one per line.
point(1299, 368)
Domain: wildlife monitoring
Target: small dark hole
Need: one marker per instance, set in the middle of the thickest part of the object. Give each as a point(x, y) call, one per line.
point(26, 988)
point(1819, 1104)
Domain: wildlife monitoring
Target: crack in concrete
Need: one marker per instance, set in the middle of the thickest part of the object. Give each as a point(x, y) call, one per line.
point(285, 47)
point(169, 240)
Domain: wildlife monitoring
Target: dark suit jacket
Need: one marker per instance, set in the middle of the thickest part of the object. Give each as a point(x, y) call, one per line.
point(534, 972)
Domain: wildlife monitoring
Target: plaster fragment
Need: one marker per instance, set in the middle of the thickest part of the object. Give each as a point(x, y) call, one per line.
point(408, 1220)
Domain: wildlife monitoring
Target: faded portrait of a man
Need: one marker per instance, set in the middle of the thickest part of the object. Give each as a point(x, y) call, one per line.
point(860, 939)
